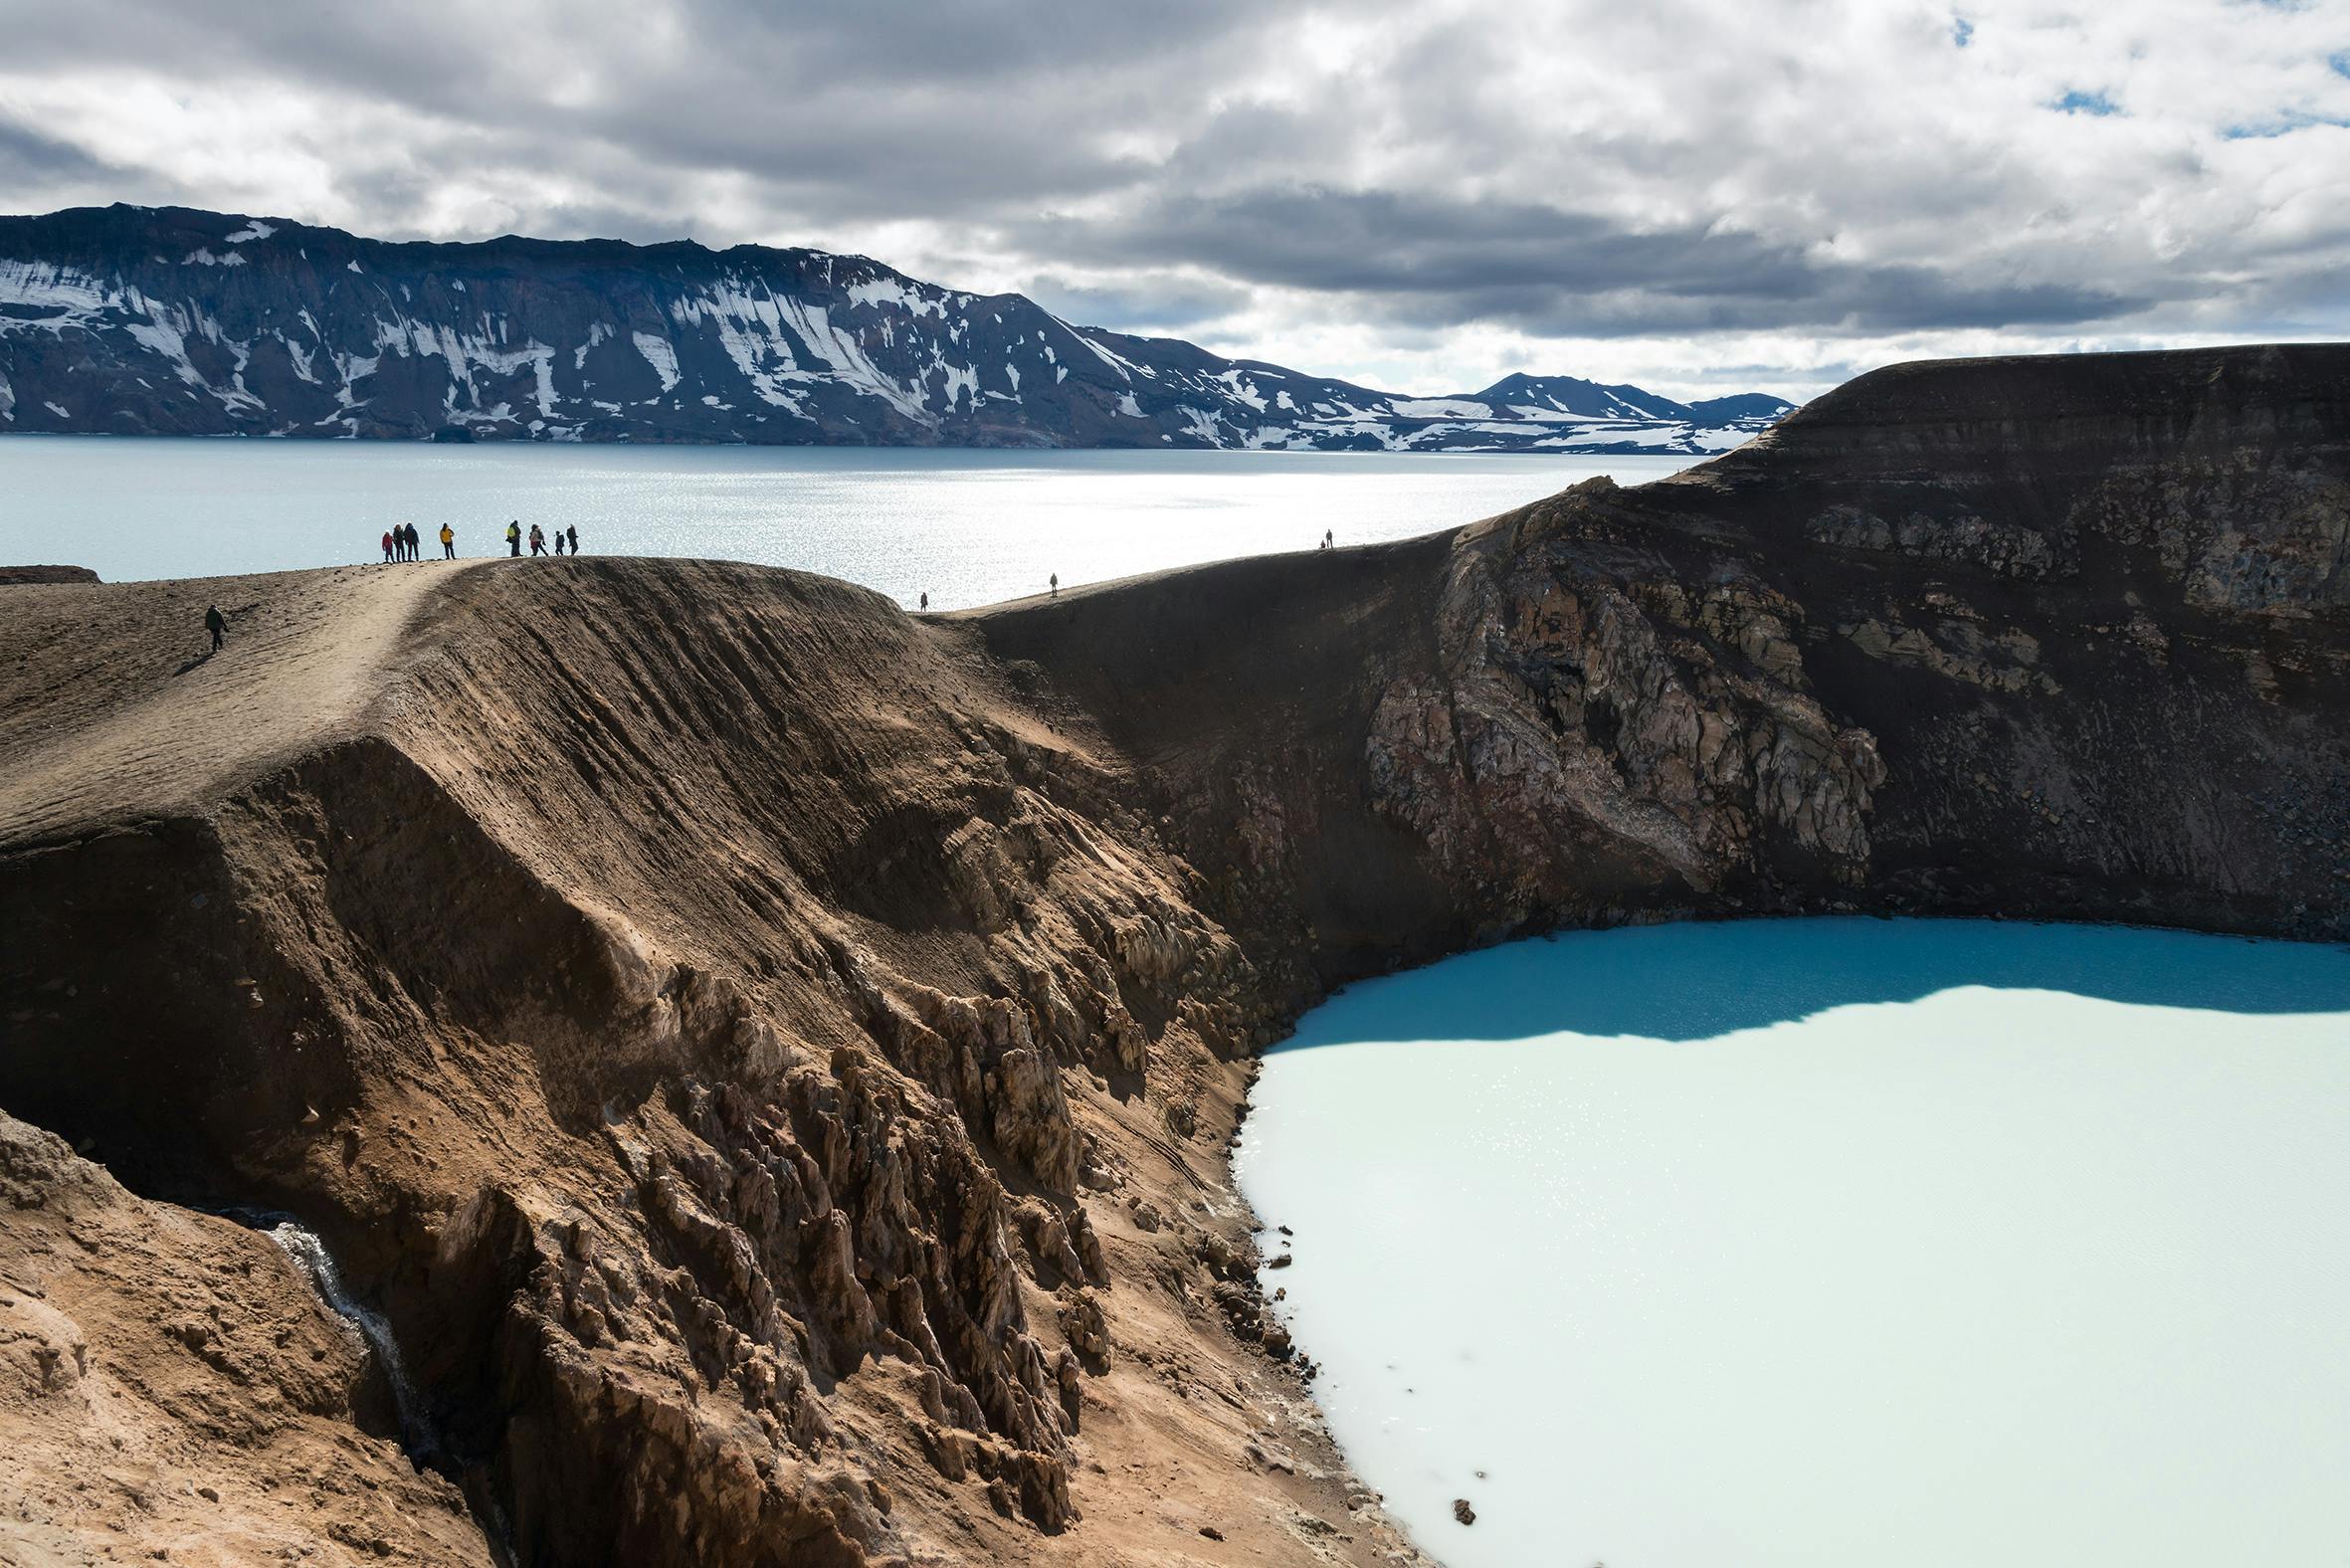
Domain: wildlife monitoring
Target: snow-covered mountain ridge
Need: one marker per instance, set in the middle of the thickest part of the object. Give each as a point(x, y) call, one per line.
point(169, 320)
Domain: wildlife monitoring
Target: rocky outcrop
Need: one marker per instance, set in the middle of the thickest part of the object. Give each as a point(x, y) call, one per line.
point(11, 575)
point(1596, 695)
point(773, 1080)
point(728, 1068)
point(171, 1388)
point(2060, 638)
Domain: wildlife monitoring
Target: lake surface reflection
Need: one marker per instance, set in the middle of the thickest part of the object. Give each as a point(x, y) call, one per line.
point(966, 528)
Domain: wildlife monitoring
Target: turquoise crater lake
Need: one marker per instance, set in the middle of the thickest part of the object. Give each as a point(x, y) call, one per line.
point(1834, 1243)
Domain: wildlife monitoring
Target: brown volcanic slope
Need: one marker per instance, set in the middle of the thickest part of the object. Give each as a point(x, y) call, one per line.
point(770, 1057)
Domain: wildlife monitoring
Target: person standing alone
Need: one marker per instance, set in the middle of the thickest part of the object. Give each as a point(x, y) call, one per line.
point(217, 623)
point(447, 542)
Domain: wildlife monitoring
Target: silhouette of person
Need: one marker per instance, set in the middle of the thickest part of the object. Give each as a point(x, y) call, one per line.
point(573, 533)
point(1055, 585)
point(217, 623)
point(925, 601)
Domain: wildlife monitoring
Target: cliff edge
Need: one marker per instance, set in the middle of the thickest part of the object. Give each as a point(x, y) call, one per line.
point(769, 1057)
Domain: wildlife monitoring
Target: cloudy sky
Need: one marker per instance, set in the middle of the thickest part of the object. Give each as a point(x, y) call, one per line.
point(1697, 197)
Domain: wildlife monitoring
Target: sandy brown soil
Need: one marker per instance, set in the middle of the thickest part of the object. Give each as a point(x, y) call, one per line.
point(118, 705)
point(771, 1059)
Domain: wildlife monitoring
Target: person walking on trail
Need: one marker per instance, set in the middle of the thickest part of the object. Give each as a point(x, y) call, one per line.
point(538, 540)
point(217, 623)
point(1055, 585)
point(447, 542)
point(387, 545)
point(514, 537)
point(573, 533)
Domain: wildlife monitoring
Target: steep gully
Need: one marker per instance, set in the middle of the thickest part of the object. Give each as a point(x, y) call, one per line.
point(769, 1057)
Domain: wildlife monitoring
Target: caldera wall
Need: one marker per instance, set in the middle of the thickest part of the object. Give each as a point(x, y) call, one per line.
point(771, 1057)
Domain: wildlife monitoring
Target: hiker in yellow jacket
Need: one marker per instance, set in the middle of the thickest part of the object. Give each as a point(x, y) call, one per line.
point(447, 542)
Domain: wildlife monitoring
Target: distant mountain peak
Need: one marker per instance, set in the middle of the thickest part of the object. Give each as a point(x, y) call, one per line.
point(174, 320)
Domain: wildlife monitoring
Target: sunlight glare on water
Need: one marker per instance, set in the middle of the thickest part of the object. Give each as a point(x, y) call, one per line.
point(968, 528)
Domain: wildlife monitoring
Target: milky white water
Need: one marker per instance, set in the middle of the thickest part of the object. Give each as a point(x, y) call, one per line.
point(966, 528)
point(1841, 1244)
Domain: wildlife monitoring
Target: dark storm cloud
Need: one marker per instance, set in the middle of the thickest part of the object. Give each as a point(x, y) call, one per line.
point(29, 159)
point(892, 107)
point(1430, 260)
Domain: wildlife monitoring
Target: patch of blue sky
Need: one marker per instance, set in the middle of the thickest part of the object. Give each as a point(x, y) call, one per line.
point(2078, 102)
point(2284, 125)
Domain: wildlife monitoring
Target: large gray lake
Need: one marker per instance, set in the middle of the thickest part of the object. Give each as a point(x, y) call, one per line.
point(966, 528)
point(1832, 1244)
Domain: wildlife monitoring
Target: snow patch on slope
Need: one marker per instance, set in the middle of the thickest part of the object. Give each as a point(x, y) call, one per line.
point(660, 355)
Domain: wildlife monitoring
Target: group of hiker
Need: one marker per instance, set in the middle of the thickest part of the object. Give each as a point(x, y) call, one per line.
point(402, 542)
point(539, 539)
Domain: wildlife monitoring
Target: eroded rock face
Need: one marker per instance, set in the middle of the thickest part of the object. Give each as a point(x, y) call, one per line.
point(2009, 550)
point(724, 1167)
point(2246, 539)
point(274, 1440)
point(771, 1080)
point(1591, 695)
point(1955, 638)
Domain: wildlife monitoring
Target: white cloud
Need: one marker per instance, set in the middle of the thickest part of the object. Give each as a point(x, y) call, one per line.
point(1428, 195)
